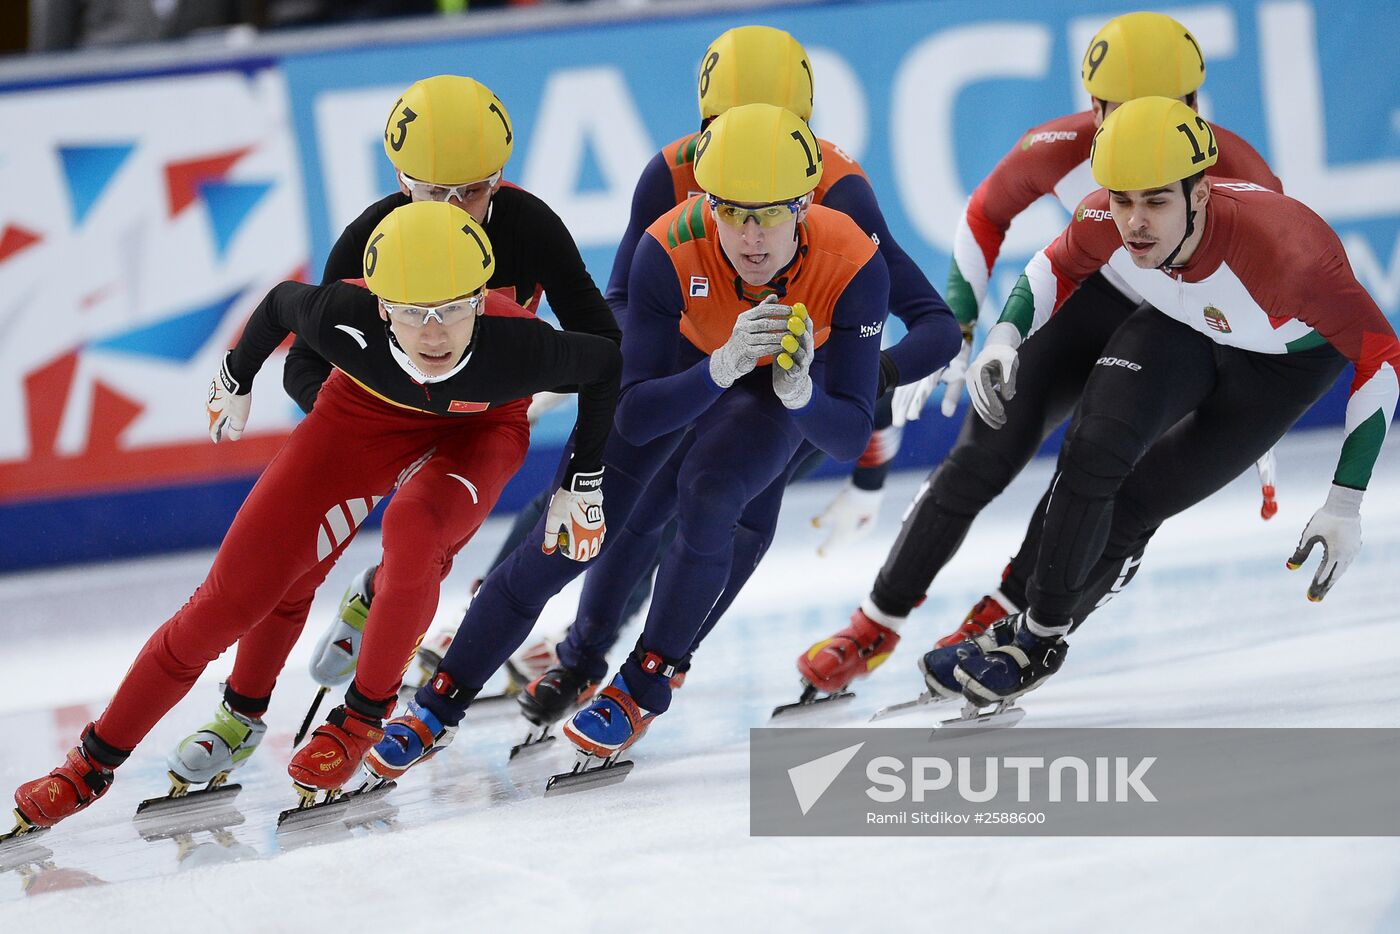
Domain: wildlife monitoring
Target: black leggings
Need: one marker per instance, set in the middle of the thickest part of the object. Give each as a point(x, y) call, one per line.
point(1050, 377)
point(1168, 417)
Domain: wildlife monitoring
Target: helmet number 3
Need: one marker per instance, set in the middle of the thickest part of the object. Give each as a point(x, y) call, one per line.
point(396, 142)
point(1197, 155)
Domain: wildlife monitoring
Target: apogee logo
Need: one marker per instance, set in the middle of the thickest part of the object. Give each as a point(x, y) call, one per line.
point(1053, 136)
point(1118, 361)
point(1092, 214)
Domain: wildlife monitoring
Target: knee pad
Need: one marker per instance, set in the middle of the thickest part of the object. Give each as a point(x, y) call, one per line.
point(1099, 452)
point(709, 506)
point(969, 478)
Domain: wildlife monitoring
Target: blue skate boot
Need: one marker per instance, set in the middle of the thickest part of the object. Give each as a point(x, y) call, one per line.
point(940, 666)
point(418, 733)
point(613, 722)
point(1007, 671)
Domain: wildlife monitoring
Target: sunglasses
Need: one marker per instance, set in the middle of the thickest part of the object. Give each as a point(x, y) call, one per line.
point(447, 313)
point(770, 215)
point(426, 191)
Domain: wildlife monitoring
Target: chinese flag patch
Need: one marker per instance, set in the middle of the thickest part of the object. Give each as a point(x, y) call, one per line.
point(458, 406)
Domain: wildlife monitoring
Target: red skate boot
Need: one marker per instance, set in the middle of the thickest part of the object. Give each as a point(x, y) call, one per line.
point(987, 611)
point(333, 754)
point(833, 663)
point(75, 784)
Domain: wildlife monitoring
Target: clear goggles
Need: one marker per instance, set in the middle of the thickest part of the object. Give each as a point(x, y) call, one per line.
point(446, 313)
point(769, 215)
point(427, 191)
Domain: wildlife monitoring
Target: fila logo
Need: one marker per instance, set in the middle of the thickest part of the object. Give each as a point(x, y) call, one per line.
point(872, 330)
point(699, 287)
point(340, 522)
point(1118, 361)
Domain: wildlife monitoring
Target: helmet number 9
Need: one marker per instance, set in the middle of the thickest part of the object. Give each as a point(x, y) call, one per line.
point(1197, 155)
point(701, 146)
point(807, 151)
point(372, 255)
point(485, 255)
point(397, 141)
point(710, 61)
point(1094, 57)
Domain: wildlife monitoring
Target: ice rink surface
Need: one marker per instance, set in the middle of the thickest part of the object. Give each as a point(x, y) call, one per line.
point(1213, 633)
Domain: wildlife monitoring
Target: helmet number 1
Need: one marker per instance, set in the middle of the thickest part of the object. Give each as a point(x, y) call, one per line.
point(497, 111)
point(1094, 57)
point(485, 254)
point(710, 61)
point(402, 126)
point(807, 151)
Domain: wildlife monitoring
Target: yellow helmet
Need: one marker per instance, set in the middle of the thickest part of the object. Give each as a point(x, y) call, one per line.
point(758, 154)
point(755, 65)
point(426, 252)
point(448, 130)
point(1142, 55)
point(1151, 142)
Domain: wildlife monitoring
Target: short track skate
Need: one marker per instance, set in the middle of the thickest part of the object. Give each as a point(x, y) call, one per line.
point(926, 699)
point(537, 738)
point(973, 719)
point(813, 701)
point(333, 803)
point(22, 836)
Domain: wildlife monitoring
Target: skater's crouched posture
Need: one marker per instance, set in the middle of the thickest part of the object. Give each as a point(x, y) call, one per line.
point(432, 380)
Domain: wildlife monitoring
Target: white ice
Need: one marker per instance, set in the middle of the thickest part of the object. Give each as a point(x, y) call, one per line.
point(1213, 633)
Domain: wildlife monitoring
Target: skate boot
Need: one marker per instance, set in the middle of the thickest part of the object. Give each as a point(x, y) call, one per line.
point(987, 611)
point(939, 665)
point(332, 756)
point(529, 663)
point(338, 649)
point(208, 755)
point(854, 652)
point(612, 723)
point(547, 700)
point(414, 736)
point(430, 654)
point(79, 781)
point(1009, 670)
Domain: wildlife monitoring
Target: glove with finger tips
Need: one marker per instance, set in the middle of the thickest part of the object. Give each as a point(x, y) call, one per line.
point(1337, 527)
point(992, 376)
point(954, 376)
point(756, 334)
point(792, 380)
point(573, 523)
point(849, 517)
point(909, 400)
point(227, 406)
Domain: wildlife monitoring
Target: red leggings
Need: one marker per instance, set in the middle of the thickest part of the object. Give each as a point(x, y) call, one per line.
point(349, 453)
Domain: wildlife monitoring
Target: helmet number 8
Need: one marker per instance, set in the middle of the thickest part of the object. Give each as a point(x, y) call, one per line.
point(709, 66)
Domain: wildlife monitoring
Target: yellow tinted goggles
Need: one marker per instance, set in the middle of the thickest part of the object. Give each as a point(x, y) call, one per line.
point(769, 215)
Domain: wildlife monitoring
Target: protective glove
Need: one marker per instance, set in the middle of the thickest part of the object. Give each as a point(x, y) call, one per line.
point(792, 380)
point(573, 523)
point(992, 376)
point(228, 405)
point(849, 517)
point(757, 333)
point(1337, 525)
point(542, 402)
point(954, 375)
point(909, 400)
point(1268, 471)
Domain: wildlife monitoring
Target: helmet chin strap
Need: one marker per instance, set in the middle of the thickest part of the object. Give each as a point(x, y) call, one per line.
point(402, 359)
point(1186, 186)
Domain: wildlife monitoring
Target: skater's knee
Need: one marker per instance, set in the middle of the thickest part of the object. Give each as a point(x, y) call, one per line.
point(970, 478)
point(1099, 452)
point(711, 501)
point(415, 530)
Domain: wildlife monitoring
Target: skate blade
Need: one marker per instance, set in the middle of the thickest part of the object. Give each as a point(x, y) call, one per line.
point(22, 836)
point(926, 699)
point(333, 806)
point(201, 799)
point(810, 703)
point(973, 720)
point(584, 779)
point(536, 739)
point(21, 851)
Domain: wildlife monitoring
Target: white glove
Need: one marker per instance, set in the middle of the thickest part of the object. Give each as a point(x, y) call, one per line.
point(909, 400)
point(849, 517)
point(228, 405)
point(954, 376)
point(1337, 525)
point(574, 521)
point(1268, 484)
point(757, 333)
point(792, 380)
point(992, 376)
point(543, 402)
